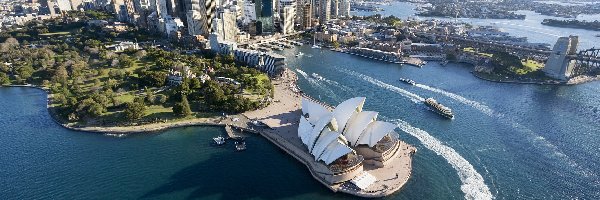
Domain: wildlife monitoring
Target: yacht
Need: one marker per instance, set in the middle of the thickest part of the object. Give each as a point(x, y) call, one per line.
point(439, 108)
point(240, 146)
point(315, 46)
point(219, 140)
point(408, 81)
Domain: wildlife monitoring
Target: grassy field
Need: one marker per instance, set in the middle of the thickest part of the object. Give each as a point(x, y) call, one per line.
point(472, 50)
point(528, 67)
point(55, 33)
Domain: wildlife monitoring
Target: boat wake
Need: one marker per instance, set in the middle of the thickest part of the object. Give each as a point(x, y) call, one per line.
point(473, 184)
point(483, 108)
point(413, 97)
point(537, 140)
point(314, 82)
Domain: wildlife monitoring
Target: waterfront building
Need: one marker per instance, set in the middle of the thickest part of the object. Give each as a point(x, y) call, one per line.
point(558, 65)
point(289, 14)
point(270, 63)
point(347, 137)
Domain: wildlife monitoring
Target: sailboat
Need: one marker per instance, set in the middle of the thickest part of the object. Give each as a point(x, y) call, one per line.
point(315, 46)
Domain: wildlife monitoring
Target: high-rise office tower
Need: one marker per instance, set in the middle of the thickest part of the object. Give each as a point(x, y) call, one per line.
point(335, 8)
point(289, 14)
point(225, 26)
point(344, 8)
point(200, 16)
point(324, 11)
point(264, 16)
point(307, 16)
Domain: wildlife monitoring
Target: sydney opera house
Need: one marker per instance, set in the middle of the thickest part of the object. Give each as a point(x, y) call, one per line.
point(352, 144)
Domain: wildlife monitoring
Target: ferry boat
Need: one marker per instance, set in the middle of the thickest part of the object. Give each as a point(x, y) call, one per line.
point(316, 76)
point(408, 81)
point(439, 108)
point(219, 140)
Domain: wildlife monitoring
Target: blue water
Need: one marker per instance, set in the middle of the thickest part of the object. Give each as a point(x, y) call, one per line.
point(526, 141)
point(510, 141)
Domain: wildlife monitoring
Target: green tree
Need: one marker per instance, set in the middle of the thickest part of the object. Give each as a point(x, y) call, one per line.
point(4, 79)
point(182, 108)
point(134, 110)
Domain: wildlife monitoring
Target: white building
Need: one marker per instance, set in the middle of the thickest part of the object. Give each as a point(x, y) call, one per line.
point(289, 14)
point(346, 132)
point(225, 26)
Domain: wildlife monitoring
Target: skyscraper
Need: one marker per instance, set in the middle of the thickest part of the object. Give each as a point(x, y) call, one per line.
point(200, 16)
point(225, 26)
point(307, 16)
point(335, 8)
point(289, 14)
point(324, 11)
point(344, 8)
point(264, 16)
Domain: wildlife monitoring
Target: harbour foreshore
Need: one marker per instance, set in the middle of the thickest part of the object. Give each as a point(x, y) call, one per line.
point(282, 118)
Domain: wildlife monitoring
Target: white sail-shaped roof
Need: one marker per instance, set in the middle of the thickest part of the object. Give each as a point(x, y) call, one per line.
point(344, 111)
point(334, 151)
point(357, 124)
point(321, 125)
point(304, 129)
point(314, 110)
point(326, 138)
point(375, 132)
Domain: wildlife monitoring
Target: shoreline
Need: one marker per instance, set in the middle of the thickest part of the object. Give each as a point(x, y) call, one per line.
point(573, 81)
point(146, 128)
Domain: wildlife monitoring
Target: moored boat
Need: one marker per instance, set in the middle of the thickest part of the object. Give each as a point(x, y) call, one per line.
point(439, 108)
point(408, 81)
point(219, 140)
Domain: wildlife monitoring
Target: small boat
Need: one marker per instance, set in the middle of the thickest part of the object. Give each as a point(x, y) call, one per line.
point(315, 46)
point(316, 76)
point(299, 54)
point(240, 146)
point(219, 140)
point(439, 108)
point(444, 63)
point(408, 81)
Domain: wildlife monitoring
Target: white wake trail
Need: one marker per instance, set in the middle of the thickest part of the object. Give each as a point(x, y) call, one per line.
point(413, 97)
point(316, 83)
point(483, 108)
point(473, 184)
point(537, 140)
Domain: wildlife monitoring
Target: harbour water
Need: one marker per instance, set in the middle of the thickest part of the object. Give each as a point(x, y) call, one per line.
point(517, 141)
point(529, 142)
point(507, 141)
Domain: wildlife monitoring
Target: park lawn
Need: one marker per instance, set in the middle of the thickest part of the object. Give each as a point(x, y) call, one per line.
point(532, 65)
point(56, 33)
point(472, 50)
point(125, 97)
